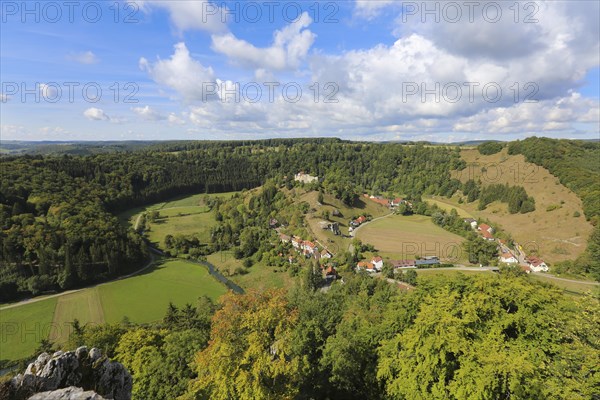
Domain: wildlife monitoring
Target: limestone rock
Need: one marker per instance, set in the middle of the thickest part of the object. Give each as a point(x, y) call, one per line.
point(84, 369)
point(70, 393)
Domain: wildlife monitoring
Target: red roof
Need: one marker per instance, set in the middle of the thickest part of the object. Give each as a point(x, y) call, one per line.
point(383, 202)
point(535, 261)
point(485, 227)
point(377, 259)
point(309, 244)
point(487, 235)
point(397, 200)
point(330, 271)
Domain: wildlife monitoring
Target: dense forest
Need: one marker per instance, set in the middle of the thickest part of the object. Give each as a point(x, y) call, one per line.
point(452, 337)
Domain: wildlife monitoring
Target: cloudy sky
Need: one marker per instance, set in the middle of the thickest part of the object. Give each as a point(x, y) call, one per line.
point(371, 70)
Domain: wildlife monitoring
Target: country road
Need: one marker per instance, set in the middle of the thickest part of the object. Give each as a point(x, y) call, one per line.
point(40, 298)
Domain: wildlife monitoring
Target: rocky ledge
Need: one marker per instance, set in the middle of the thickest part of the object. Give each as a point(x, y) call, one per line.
point(71, 375)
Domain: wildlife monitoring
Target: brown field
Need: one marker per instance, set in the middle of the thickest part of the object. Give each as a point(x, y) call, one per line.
point(555, 233)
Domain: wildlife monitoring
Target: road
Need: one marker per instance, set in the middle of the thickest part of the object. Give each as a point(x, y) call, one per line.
point(40, 298)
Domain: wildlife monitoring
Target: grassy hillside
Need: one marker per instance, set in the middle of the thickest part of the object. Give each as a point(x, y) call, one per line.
point(553, 228)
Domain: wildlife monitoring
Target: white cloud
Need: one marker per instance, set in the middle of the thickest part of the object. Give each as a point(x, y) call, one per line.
point(175, 120)
point(370, 9)
point(86, 57)
point(96, 114)
point(51, 91)
point(289, 48)
point(191, 14)
point(186, 76)
point(148, 113)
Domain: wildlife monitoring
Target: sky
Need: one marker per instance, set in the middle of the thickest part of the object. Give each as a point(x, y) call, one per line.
point(442, 71)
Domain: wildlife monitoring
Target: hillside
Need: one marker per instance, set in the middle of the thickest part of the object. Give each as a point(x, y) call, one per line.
point(553, 228)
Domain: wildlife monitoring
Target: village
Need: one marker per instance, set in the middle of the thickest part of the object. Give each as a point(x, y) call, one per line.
point(375, 264)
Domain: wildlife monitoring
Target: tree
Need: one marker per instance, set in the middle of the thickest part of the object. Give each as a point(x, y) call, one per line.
point(250, 348)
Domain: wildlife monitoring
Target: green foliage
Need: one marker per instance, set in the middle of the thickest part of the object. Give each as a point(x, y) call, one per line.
point(479, 250)
point(515, 196)
point(489, 148)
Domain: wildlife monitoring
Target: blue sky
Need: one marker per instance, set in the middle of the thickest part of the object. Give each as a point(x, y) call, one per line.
point(380, 70)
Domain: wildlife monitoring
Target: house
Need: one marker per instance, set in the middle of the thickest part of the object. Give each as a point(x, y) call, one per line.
point(427, 261)
point(325, 254)
point(367, 266)
point(508, 258)
point(377, 263)
point(485, 228)
point(537, 264)
point(284, 238)
point(404, 263)
point(358, 221)
point(308, 247)
point(526, 269)
point(273, 223)
point(305, 178)
point(396, 202)
point(487, 235)
point(471, 221)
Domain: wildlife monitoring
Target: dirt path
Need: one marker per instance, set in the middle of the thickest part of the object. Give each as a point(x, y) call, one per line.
point(36, 299)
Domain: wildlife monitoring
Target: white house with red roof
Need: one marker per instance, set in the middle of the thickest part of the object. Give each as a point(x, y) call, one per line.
point(508, 258)
point(536, 264)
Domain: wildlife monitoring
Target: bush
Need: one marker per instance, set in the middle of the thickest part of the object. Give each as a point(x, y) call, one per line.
point(489, 148)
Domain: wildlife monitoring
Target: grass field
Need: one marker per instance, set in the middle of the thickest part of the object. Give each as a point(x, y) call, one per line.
point(22, 328)
point(402, 237)
point(198, 224)
point(184, 204)
point(556, 234)
point(84, 306)
point(259, 276)
point(144, 298)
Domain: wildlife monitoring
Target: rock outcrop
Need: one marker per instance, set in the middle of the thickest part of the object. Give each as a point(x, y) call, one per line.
point(70, 393)
point(70, 371)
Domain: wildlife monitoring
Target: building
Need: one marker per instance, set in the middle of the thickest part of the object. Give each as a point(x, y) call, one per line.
point(308, 247)
point(284, 238)
point(396, 202)
point(367, 266)
point(537, 264)
point(427, 261)
point(487, 235)
point(377, 263)
point(485, 228)
point(508, 258)
point(325, 254)
point(305, 178)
